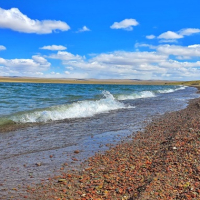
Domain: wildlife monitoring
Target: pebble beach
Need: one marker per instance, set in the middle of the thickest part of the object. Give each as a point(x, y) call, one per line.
point(161, 162)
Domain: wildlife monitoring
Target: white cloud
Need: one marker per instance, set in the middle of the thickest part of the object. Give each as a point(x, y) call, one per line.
point(2, 47)
point(39, 73)
point(84, 29)
point(129, 58)
point(160, 62)
point(189, 31)
point(182, 52)
point(22, 67)
point(126, 24)
point(64, 55)
point(182, 70)
point(170, 35)
point(69, 68)
point(67, 72)
point(150, 37)
point(194, 46)
point(17, 21)
point(174, 64)
point(154, 64)
point(40, 60)
point(167, 41)
point(55, 73)
point(54, 47)
point(117, 64)
point(145, 45)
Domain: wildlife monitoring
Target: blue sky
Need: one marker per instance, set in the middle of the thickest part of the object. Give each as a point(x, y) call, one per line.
point(100, 39)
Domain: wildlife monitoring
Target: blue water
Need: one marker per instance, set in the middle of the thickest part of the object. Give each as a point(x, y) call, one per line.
point(39, 120)
point(29, 102)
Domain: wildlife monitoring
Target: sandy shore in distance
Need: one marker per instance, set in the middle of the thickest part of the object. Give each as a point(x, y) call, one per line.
point(160, 163)
point(84, 81)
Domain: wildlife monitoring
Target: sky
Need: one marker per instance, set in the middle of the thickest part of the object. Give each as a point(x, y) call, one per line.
point(127, 39)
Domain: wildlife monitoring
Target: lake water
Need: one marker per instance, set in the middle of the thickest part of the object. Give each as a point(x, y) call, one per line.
point(61, 118)
point(23, 103)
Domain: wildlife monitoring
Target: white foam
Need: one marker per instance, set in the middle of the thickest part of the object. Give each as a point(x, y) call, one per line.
point(172, 90)
point(75, 110)
point(143, 94)
point(181, 87)
point(166, 91)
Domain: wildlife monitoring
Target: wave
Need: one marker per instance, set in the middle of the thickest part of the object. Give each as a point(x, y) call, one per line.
point(79, 109)
point(172, 90)
point(181, 87)
point(138, 95)
point(166, 91)
point(147, 94)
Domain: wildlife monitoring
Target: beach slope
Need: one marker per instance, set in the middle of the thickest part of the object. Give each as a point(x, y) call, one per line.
point(162, 162)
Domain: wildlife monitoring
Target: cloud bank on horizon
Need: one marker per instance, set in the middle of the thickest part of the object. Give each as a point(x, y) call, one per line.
point(122, 49)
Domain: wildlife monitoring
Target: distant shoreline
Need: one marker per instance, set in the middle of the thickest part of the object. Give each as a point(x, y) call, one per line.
point(86, 81)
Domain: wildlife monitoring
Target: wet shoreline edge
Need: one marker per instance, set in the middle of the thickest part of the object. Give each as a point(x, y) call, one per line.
point(140, 189)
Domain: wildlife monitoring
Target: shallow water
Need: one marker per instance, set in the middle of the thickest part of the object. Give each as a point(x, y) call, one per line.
point(33, 153)
point(24, 103)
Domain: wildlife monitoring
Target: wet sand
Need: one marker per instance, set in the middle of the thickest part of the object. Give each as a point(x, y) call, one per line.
point(162, 162)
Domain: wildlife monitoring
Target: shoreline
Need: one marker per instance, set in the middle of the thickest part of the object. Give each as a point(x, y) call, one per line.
point(161, 162)
point(85, 81)
point(7, 125)
point(32, 170)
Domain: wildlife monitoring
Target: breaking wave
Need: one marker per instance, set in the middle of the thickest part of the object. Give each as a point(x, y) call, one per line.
point(147, 94)
point(143, 94)
point(86, 108)
point(172, 90)
point(79, 109)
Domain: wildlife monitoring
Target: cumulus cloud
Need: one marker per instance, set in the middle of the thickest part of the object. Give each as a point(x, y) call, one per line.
point(145, 45)
point(123, 64)
point(170, 35)
point(168, 41)
point(54, 47)
point(55, 73)
point(194, 46)
point(21, 67)
point(2, 47)
point(64, 55)
point(150, 37)
point(182, 52)
point(189, 31)
point(84, 29)
point(129, 58)
point(69, 68)
point(174, 64)
point(154, 64)
point(126, 24)
point(67, 72)
point(157, 62)
point(17, 21)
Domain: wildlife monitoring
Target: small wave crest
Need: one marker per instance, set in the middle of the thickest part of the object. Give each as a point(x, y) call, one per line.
point(79, 109)
point(147, 94)
point(166, 91)
point(171, 90)
point(138, 95)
